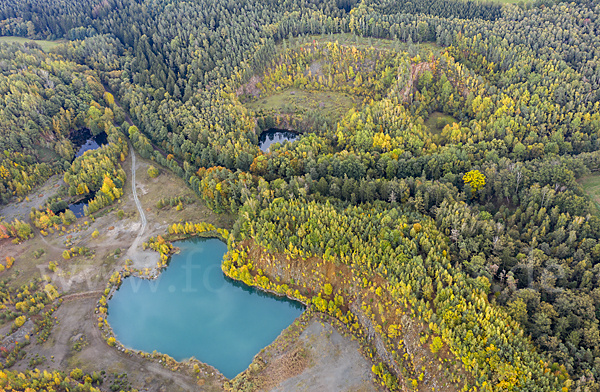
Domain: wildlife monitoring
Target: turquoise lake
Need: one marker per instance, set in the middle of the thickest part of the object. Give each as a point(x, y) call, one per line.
point(193, 309)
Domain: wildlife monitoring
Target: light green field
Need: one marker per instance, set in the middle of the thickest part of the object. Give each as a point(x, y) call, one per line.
point(591, 186)
point(437, 121)
point(332, 105)
point(45, 45)
point(47, 155)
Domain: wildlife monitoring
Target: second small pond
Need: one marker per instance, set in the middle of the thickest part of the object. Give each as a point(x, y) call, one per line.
point(85, 141)
point(274, 135)
point(78, 207)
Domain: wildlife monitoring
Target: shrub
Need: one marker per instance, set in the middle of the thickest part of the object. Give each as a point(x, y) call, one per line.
point(20, 321)
point(153, 172)
point(76, 373)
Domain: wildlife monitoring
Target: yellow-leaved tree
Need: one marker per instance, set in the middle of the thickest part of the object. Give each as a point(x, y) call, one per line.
point(475, 179)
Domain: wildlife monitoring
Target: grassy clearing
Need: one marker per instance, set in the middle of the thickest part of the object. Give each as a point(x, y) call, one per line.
point(168, 185)
point(47, 155)
point(295, 101)
point(331, 105)
point(45, 45)
point(437, 121)
point(591, 186)
point(25, 268)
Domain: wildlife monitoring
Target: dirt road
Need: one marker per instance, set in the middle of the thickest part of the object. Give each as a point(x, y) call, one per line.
point(137, 202)
point(141, 259)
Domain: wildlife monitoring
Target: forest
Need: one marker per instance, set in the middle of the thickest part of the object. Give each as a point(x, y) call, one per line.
point(478, 228)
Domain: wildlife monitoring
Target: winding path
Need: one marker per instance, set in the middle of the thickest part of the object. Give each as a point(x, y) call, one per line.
point(87, 294)
point(134, 245)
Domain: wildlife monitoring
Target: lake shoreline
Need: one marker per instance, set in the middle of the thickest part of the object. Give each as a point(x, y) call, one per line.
point(155, 273)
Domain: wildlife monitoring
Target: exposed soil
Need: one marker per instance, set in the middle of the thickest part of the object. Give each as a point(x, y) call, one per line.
point(21, 210)
point(316, 69)
point(319, 358)
point(250, 87)
point(140, 258)
point(310, 355)
point(335, 363)
point(75, 320)
point(413, 77)
point(309, 276)
point(82, 280)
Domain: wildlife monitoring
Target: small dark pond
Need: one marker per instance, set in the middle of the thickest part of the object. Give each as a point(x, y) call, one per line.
point(193, 309)
point(84, 141)
point(77, 207)
point(274, 135)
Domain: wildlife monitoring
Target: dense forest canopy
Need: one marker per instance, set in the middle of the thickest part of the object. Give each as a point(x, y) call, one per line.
point(482, 212)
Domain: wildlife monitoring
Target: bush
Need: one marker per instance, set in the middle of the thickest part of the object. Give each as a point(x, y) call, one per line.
point(112, 341)
point(76, 374)
point(95, 234)
point(153, 172)
point(68, 217)
point(20, 321)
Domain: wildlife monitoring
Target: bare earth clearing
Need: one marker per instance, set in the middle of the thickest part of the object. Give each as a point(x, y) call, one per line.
point(37, 198)
point(75, 340)
point(336, 363)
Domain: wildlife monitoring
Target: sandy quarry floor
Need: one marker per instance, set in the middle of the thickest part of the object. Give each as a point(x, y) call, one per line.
point(333, 362)
point(336, 363)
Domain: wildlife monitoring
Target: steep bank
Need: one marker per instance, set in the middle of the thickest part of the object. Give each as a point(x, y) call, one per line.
point(391, 336)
